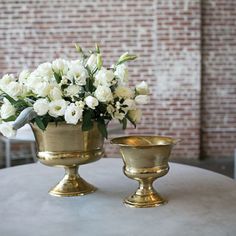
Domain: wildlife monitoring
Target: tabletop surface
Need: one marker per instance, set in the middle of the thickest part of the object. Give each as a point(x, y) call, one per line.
point(201, 202)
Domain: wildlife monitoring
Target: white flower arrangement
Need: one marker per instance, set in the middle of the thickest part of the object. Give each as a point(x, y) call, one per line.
point(74, 91)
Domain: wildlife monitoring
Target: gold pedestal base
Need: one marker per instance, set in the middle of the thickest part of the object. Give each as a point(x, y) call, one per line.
point(144, 201)
point(72, 185)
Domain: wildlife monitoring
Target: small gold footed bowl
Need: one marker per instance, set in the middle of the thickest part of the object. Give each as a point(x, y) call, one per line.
point(66, 146)
point(145, 159)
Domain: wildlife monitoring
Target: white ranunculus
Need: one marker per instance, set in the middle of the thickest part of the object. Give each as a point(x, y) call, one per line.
point(72, 90)
point(45, 70)
point(124, 92)
point(24, 76)
point(42, 89)
point(57, 108)
point(91, 102)
point(104, 77)
point(7, 110)
point(60, 66)
point(103, 94)
point(92, 62)
point(135, 115)
point(142, 99)
point(78, 73)
point(142, 88)
point(122, 73)
point(7, 130)
point(55, 94)
point(73, 113)
point(41, 106)
point(15, 89)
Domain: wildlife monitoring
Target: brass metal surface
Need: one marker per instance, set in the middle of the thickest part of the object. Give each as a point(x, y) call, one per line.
point(67, 146)
point(145, 159)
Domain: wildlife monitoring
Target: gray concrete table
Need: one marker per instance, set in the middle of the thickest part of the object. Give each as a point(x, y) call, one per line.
point(200, 203)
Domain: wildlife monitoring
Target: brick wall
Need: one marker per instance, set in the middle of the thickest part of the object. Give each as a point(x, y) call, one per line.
point(166, 35)
point(219, 78)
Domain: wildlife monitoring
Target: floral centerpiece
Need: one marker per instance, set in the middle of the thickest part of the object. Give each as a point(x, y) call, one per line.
point(73, 91)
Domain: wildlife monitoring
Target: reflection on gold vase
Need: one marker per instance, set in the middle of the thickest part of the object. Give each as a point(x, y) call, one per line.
point(67, 146)
point(145, 159)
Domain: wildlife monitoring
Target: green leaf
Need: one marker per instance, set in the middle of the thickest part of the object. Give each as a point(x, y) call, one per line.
point(124, 123)
point(11, 118)
point(58, 77)
point(130, 120)
point(87, 120)
point(10, 99)
point(102, 127)
point(39, 123)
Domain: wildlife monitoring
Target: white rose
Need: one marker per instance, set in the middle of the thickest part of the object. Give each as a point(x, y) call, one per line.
point(45, 70)
point(55, 94)
point(24, 76)
point(104, 77)
point(57, 108)
point(142, 99)
point(6, 80)
point(7, 110)
point(42, 89)
point(103, 94)
point(7, 130)
point(91, 102)
point(92, 62)
point(142, 88)
point(73, 113)
point(15, 89)
point(72, 90)
point(122, 73)
point(60, 66)
point(135, 115)
point(41, 106)
point(124, 92)
point(78, 73)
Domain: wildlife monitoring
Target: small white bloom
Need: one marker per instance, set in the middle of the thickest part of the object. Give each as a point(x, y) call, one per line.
point(24, 76)
point(7, 110)
point(122, 73)
point(103, 94)
point(104, 77)
point(57, 108)
point(142, 99)
point(110, 109)
point(91, 102)
point(41, 106)
point(60, 66)
point(119, 115)
point(73, 113)
point(7, 130)
point(80, 104)
point(130, 104)
point(124, 92)
point(55, 94)
point(78, 73)
point(72, 90)
point(92, 62)
point(135, 115)
point(6, 80)
point(15, 89)
point(42, 89)
point(142, 88)
point(45, 70)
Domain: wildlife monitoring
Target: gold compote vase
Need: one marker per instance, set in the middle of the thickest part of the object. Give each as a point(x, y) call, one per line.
point(67, 146)
point(145, 159)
